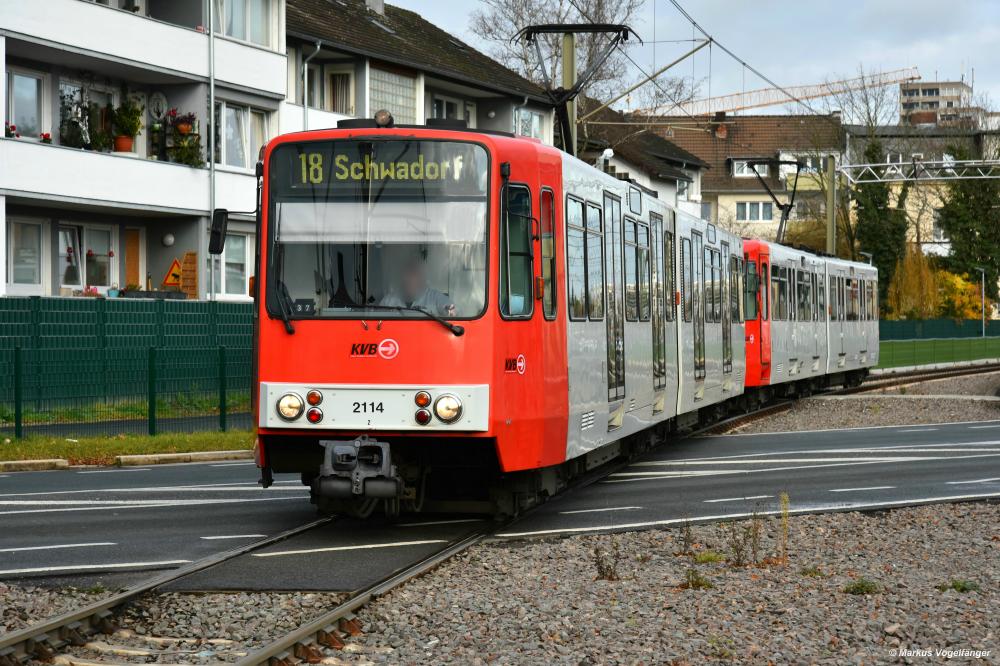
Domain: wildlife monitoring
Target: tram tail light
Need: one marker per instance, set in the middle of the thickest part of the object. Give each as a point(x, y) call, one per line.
point(423, 417)
point(422, 399)
point(314, 397)
point(314, 415)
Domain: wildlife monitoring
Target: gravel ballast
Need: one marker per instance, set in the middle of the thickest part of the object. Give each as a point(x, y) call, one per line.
point(538, 602)
point(22, 606)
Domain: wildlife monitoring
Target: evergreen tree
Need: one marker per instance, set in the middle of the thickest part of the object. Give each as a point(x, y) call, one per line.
point(970, 218)
point(881, 230)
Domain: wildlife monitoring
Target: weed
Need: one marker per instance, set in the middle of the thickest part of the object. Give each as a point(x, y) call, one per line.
point(693, 580)
point(709, 557)
point(687, 539)
point(606, 561)
point(755, 532)
point(783, 499)
point(862, 586)
point(642, 558)
point(102, 450)
point(721, 647)
point(959, 586)
point(96, 588)
point(736, 543)
point(812, 570)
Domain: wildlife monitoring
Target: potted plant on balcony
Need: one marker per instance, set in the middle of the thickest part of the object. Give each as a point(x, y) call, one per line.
point(10, 131)
point(182, 122)
point(127, 121)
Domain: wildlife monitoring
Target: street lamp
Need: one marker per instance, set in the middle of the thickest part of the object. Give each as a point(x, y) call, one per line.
point(982, 293)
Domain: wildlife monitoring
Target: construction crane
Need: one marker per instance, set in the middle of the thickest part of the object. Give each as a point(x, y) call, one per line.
point(755, 99)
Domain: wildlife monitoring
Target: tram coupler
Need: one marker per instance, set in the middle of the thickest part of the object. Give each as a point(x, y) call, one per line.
point(359, 468)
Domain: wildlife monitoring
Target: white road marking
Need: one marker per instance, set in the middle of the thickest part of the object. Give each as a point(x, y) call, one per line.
point(148, 505)
point(858, 490)
point(984, 427)
point(712, 472)
point(233, 536)
point(57, 547)
point(93, 567)
point(919, 429)
point(732, 516)
point(665, 463)
point(837, 450)
point(442, 522)
point(738, 499)
point(334, 549)
point(234, 464)
point(799, 432)
point(211, 487)
point(112, 471)
point(958, 483)
point(614, 508)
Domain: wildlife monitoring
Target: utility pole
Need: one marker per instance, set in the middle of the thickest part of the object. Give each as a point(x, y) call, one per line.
point(831, 200)
point(568, 82)
point(982, 294)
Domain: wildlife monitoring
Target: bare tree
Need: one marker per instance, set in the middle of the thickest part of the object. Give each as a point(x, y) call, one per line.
point(497, 21)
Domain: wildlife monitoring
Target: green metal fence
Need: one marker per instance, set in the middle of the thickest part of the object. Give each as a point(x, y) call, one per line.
point(924, 329)
point(77, 367)
point(895, 353)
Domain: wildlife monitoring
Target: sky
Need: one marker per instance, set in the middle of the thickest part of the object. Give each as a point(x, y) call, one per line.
point(799, 42)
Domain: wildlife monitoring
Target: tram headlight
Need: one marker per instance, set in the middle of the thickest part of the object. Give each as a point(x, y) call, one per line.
point(448, 408)
point(290, 406)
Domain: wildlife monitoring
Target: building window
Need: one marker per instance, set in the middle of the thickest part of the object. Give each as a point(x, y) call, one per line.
point(315, 86)
point(340, 90)
point(682, 189)
point(85, 257)
point(813, 163)
point(24, 254)
point(395, 92)
point(529, 123)
point(232, 279)
point(937, 231)
point(248, 20)
point(754, 211)
point(742, 169)
point(25, 101)
point(453, 109)
point(240, 131)
point(706, 211)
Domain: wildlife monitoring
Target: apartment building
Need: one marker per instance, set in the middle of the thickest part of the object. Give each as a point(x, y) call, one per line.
point(731, 194)
point(938, 103)
point(84, 213)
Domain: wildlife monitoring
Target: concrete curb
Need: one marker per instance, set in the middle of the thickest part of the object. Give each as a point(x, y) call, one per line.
point(195, 456)
point(878, 372)
point(33, 465)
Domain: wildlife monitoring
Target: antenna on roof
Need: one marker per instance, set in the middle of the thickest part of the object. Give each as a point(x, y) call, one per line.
point(564, 96)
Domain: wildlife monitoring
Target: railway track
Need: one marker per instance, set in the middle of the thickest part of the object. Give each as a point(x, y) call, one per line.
point(60, 639)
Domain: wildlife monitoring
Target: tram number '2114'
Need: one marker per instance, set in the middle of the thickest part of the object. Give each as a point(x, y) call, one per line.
point(368, 407)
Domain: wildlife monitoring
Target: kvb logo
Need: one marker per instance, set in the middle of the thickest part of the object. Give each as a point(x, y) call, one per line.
point(517, 364)
point(387, 349)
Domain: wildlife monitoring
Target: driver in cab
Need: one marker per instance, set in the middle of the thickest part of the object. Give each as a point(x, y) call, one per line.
point(414, 291)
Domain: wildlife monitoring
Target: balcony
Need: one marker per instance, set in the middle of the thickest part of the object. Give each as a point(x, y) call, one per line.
point(144, 42)
point(291, 118)
point(32, 170)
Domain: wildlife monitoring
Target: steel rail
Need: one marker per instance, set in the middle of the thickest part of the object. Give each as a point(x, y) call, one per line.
point(39, 640)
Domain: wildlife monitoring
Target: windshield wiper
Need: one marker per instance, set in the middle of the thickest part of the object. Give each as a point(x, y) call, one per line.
point(286, 307)
point(454, 328)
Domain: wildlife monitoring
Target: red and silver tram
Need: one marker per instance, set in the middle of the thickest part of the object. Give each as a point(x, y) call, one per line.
point(445, 316)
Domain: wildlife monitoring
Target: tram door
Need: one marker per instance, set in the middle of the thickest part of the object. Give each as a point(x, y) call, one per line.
point(765, 314)
point(615, 307)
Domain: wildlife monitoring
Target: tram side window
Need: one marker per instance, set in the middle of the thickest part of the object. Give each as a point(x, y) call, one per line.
point(594, 245)
point(515, 255)
point(765, 294)
point(733, 302)
point(686, 275)
point(805, 297)
point(668, 277)
point(852, 300)
point(642, 253)
point(717, 277)
point(548, 225)
point(751, 289)
point(709, 288)
point(739, 276)
point(834, 301)
point(820, 298)
point(576, 261)
point(776, 292)
point(631, 271)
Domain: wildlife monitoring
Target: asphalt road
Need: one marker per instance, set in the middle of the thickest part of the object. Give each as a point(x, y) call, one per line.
point(81, 525)
point(729, 476)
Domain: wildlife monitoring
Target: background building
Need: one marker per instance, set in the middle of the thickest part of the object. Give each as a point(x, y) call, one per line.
point(938, 103)
point(78, 216)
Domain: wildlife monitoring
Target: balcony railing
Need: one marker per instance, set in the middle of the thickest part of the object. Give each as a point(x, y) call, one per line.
point(144, 42)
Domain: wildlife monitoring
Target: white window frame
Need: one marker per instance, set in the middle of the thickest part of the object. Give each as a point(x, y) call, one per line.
point(81, 229)
point(742, 170)
point(466, 107)
point(683, 189)
point(250, 151)
point(417, 80)
point(36, 289)
point(328, 72)
point(534, 113)
point(220, 269)
point(271, 27)
point(758, 207)
point(45, 112)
